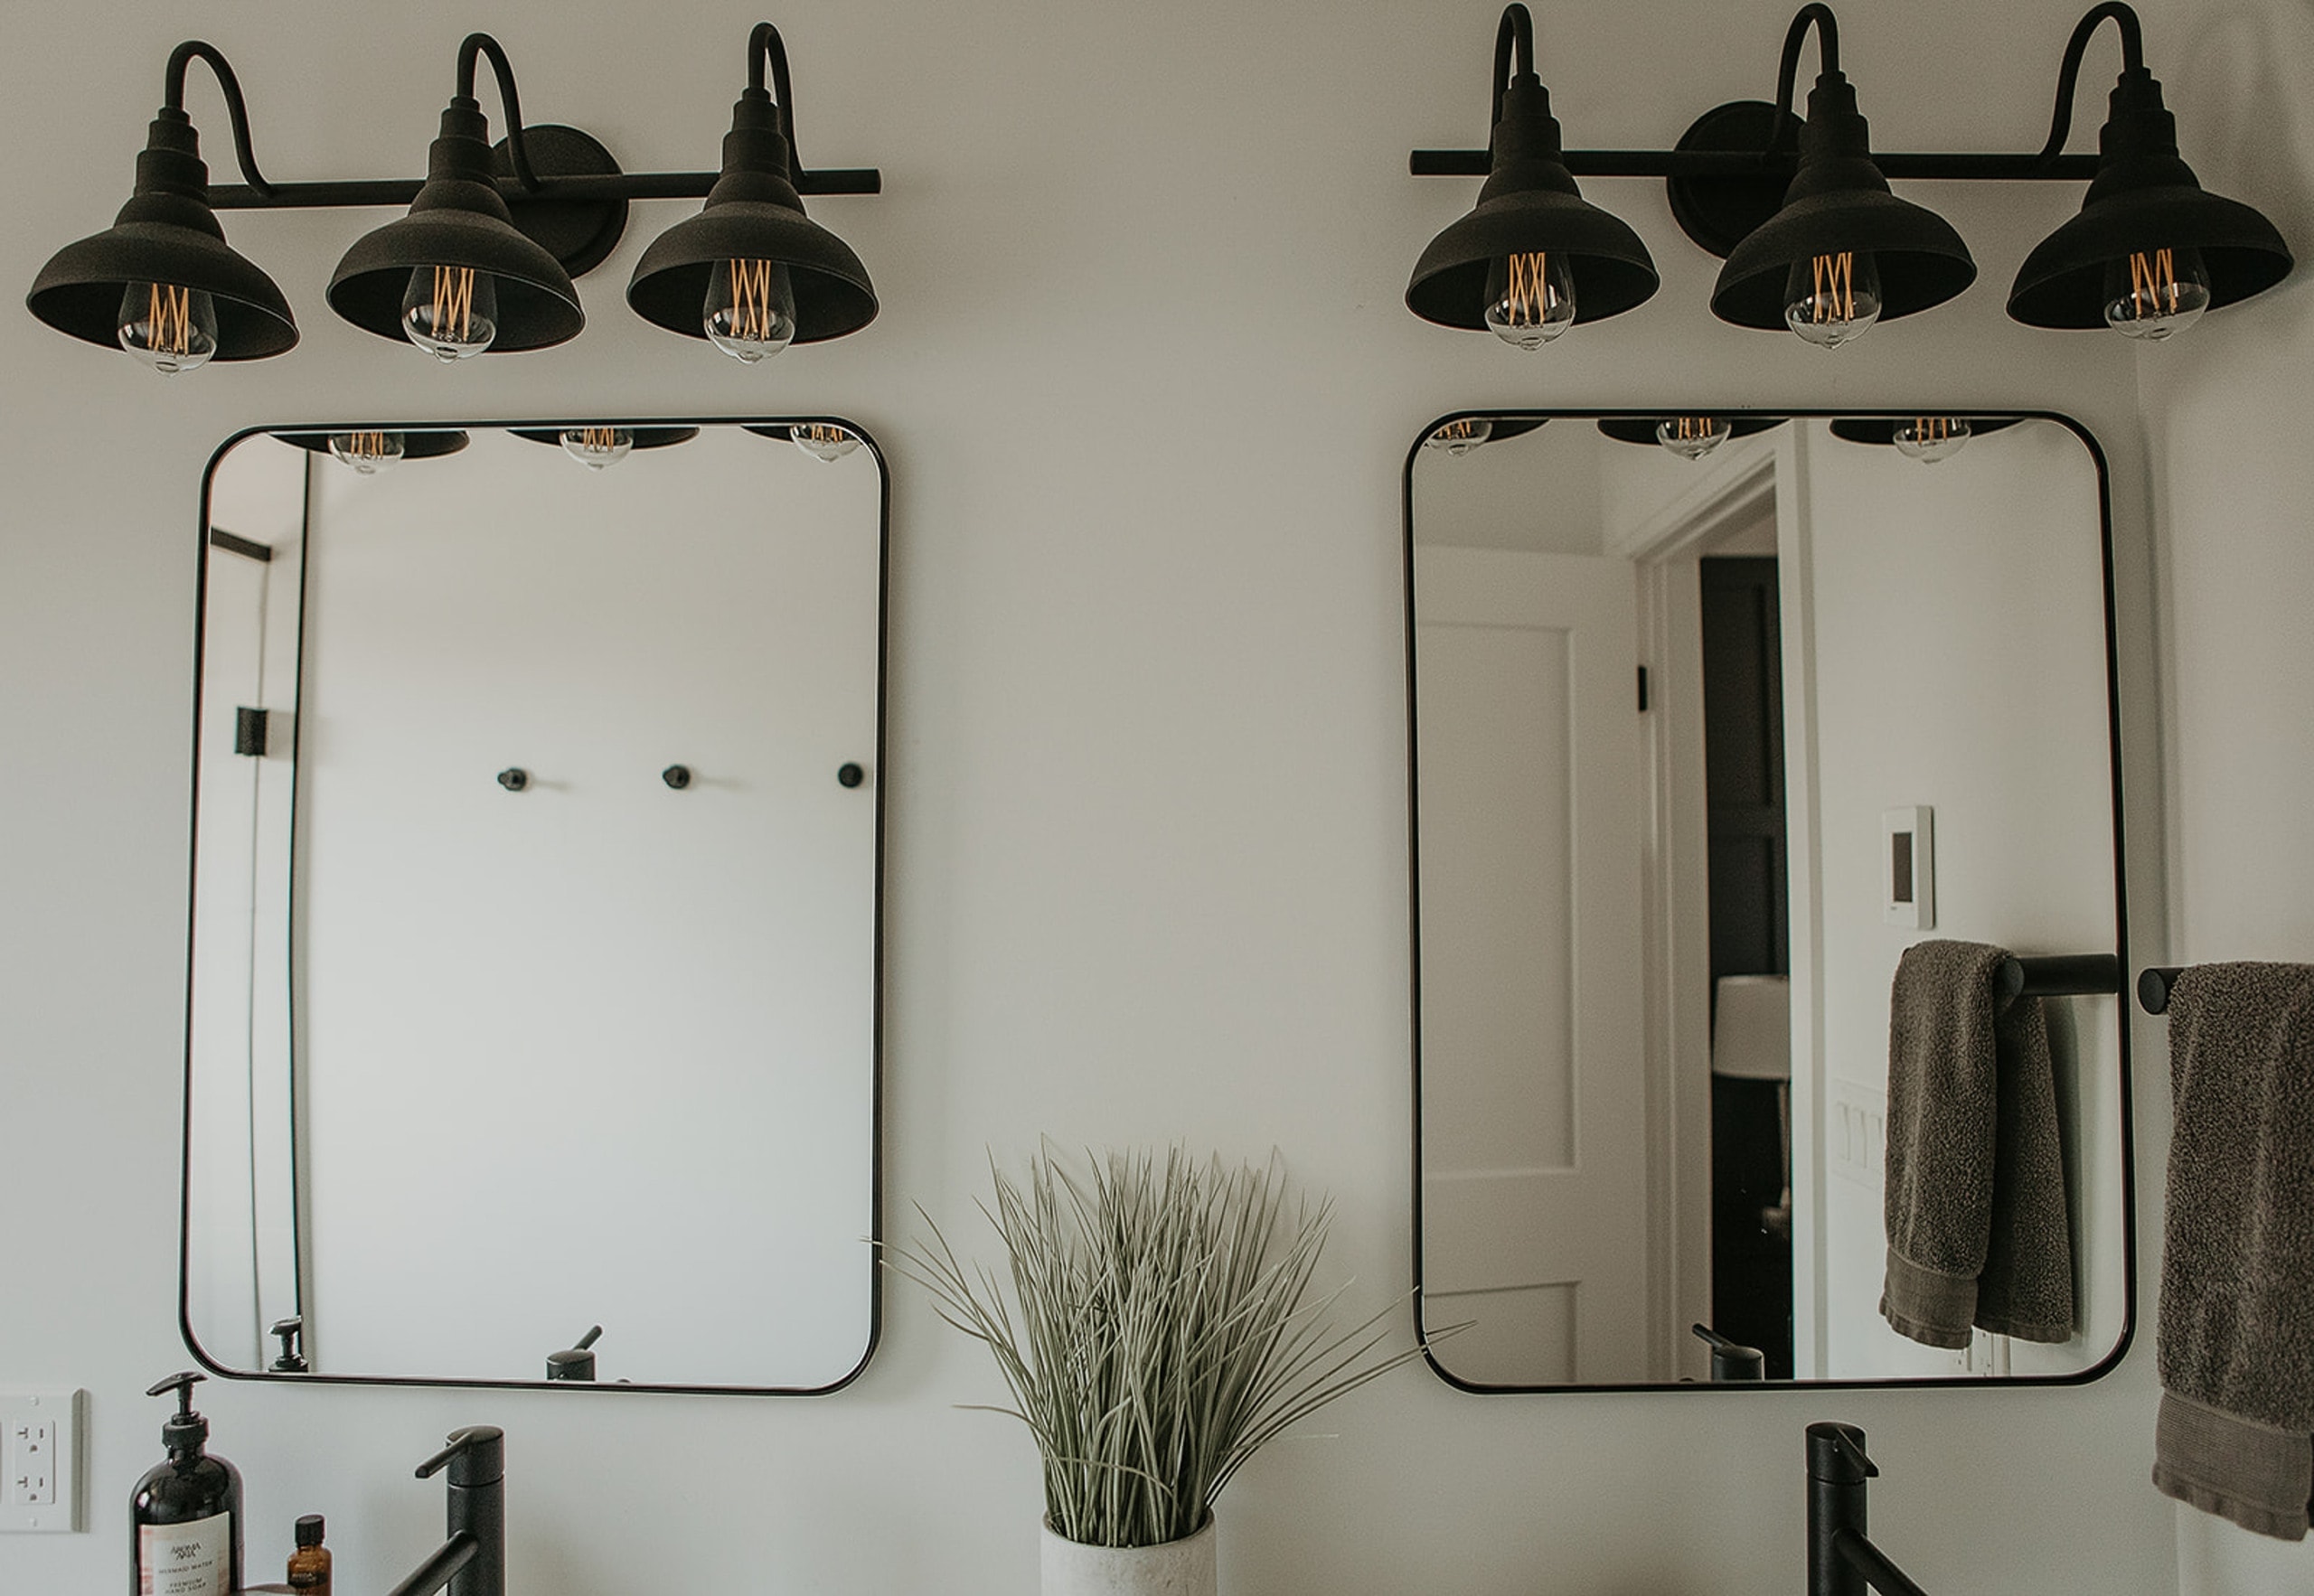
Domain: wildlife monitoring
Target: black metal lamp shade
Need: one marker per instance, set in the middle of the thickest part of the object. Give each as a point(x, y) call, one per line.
point(646, 438)
point(1839, 202)
point(423, 445)
point(165, 234)
point(459, 219)
point(1880, 431)
point(1530, 205)
point(753, 213)
point(2144, 199)
point(1641, 429)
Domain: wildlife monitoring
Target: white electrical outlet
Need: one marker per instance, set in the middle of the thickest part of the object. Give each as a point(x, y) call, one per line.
point(39, 1458)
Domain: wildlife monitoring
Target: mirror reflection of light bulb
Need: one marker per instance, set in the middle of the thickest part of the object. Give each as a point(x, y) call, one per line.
point(750, 311)
point(824, 440)
point(1529, 298)
point(2153, 292)
point(1931, 438)
point(1460, 436)
point(367, 452)
point(1691, 437)
point(1831, 298)
point(450, 312)
point(170, 328)
point(596, 447)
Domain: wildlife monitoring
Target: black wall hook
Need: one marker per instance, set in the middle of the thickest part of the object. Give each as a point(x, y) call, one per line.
point(677, 776)
point(514, 778)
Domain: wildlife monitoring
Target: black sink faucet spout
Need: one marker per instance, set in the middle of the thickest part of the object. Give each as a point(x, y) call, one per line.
point(1841, 1559)
point(472, 1561)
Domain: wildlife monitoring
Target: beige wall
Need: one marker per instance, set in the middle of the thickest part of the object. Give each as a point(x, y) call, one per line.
point(1146, 386)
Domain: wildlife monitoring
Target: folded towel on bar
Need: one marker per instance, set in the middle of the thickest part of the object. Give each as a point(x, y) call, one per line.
point(2236, 1435)
point(1978, 1234)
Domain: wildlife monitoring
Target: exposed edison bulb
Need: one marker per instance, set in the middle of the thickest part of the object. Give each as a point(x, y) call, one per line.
point(1931, 438)
point(2154, 293)
point(596, 447)
point(750, 309)
point(824, 440)
point(450, 312)
point(1460, 436)
point(170, 328)
point(1529, 298)
point(1830, 299)
point(1691, 437)
point(367, 452)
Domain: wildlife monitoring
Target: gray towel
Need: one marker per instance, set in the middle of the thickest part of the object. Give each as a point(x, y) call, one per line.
point(2236, 1351)
point(1977, 1228)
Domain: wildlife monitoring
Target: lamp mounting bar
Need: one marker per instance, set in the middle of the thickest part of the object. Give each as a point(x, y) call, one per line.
point(621, 185)
point(1709, 164)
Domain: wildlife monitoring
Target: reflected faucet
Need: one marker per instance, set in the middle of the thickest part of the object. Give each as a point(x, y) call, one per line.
point(1841, 1561)
point(472, 1561)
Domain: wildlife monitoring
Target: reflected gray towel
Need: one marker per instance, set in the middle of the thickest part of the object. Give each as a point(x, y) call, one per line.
point(2236, 1348)
point(1974, 1187)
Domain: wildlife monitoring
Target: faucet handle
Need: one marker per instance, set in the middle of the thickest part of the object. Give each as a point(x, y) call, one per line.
point(476, 1455)
point(1836, 1453)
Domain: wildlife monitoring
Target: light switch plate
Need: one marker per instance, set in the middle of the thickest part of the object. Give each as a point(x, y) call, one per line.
point(40, 1457)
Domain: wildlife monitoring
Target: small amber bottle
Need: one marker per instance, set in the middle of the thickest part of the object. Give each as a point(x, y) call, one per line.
point(309, 1564)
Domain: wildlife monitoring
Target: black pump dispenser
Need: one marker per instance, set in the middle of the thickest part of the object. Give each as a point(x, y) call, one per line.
point(186, 1511)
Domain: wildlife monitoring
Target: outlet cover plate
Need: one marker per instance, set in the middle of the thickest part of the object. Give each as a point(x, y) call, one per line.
point(40, 1429)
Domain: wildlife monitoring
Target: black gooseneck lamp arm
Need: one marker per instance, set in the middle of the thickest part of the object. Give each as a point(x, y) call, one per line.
point(1787, 77)
point(236, 109)
point(472, 47)
point(1842, 1561)
point(2069, 73)
point(1778, 159)
point(255, 193)
point(1514, 45)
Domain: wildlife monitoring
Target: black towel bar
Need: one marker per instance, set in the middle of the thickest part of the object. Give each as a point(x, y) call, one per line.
point(2153, 984)
point(2061, 975)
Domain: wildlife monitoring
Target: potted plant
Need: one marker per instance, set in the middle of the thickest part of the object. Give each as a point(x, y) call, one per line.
point(1158, 1331)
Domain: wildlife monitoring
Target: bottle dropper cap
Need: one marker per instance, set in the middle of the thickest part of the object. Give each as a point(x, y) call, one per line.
point(309, 1530)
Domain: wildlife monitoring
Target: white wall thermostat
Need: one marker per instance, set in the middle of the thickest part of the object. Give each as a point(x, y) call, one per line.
point(1908, 867)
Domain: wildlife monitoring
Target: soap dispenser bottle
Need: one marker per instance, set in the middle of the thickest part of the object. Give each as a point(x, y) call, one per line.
point(186, 1511)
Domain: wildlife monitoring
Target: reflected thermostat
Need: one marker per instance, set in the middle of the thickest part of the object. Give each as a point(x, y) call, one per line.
point(1908, 867)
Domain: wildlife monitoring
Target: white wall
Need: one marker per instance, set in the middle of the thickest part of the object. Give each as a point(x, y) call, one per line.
point(1146, 385)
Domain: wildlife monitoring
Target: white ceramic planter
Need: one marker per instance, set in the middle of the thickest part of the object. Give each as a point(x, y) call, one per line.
point(1177, 1568)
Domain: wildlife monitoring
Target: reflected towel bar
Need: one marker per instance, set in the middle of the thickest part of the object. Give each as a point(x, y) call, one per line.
point(2061, 975)
point(2153, 984)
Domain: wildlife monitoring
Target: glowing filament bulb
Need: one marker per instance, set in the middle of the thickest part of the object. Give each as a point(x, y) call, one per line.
point(169, 327)
point(2154, 293)
point(824, 440)
point(1529, 298)
point(1691, 437)
point(597, 447)
point(451, 312)
point(367, 452)
point(750, 311)
point(1459, 438)
point(1931, 438)
point(1831, 298)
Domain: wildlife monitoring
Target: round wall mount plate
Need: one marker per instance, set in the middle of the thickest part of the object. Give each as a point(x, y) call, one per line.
point(579, 233)
point(1717, 212)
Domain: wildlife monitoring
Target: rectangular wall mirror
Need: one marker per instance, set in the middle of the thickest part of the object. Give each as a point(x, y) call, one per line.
point(535, 980)
point(1711, 718)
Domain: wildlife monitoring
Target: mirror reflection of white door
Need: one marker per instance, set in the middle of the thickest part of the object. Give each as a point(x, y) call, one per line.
point(1528, 837)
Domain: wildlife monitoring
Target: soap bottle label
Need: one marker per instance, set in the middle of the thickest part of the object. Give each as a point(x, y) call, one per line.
point(186, 1559)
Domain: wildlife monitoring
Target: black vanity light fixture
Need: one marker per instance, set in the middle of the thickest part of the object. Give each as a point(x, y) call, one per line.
point(1815, 242)
point(484, 260)
point(1533, 258)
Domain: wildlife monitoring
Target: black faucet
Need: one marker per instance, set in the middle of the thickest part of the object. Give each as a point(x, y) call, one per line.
point(1841, 1560)
point(472, 1561)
